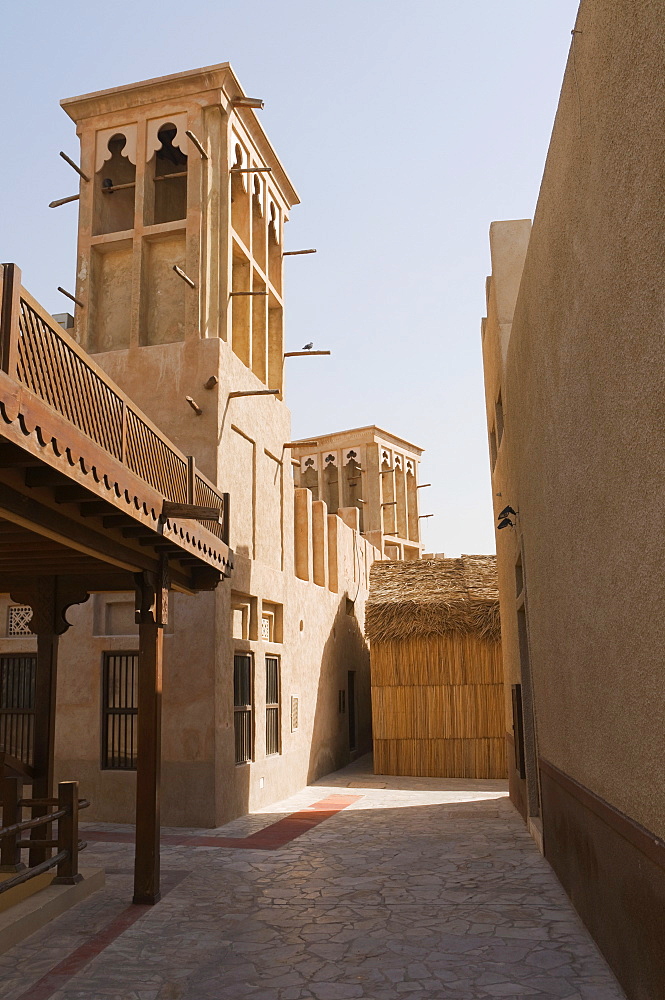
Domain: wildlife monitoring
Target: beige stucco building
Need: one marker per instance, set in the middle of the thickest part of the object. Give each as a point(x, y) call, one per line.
point(180, 291)
point(373, 471)
point(573, 355)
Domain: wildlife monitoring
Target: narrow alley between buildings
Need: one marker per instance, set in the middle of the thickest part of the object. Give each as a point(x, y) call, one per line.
point(361, 885)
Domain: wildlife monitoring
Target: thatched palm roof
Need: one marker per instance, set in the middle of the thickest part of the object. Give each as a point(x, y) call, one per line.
point(433, 597)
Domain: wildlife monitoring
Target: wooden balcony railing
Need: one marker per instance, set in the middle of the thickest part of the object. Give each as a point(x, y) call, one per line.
point(38, 353)
point(66, 842)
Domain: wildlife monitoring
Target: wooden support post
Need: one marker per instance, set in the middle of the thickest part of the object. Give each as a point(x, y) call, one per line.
point(9, 317)
point(191, 479)
point(10, 853)
point(68, 834)
point(152, 616)
point(226, 519)
point(45, 689)
point(49, 597)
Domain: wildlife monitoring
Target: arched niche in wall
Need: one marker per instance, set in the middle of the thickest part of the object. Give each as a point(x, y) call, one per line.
point(115, 180)
point(240, 192)
point(166, 172)
point(352, 482)
point(331, 482)
point(275, 246)
point(388, 494)
point(259, 233)
point(309, 476)
point(413, 528)
point(401, 512)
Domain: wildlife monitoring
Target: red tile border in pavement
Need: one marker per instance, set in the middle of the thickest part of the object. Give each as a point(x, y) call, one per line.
point(61, 973)
point(269, 839)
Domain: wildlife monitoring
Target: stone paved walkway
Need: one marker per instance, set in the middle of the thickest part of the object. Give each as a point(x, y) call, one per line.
point(420, 888)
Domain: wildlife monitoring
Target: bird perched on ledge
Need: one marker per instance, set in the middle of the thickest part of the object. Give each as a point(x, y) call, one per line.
point(308, 347)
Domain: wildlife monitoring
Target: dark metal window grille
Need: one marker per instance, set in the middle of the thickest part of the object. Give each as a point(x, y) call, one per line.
point(119, 711)
point(17, 706)
point(242, 707)
point(272, 705)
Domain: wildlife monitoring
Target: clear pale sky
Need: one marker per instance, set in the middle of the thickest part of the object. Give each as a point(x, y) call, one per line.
point(406, 128)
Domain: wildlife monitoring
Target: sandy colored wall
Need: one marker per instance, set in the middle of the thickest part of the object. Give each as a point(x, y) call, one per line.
point(238, 443)
point(583, 396)
point(573, 353)
point(437, 707)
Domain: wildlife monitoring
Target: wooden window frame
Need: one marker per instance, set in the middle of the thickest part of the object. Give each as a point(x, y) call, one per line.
point(246, 708)
point(274, 707)
point(17, 705)
point(123, 712)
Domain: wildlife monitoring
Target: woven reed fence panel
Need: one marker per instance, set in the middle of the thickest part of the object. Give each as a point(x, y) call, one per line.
point(441, 758)
point(438, 707)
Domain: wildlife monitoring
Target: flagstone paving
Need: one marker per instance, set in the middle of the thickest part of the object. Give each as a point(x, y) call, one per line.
point(417, 888)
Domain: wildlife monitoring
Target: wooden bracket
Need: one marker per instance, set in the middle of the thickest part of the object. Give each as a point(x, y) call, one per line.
point(50, 597)
point(152, 596)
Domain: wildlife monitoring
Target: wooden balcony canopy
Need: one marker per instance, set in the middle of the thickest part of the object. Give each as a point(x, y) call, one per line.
point(85, 475)
point(93, 497)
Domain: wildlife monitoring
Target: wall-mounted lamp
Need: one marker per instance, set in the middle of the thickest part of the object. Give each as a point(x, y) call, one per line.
point(504, 518)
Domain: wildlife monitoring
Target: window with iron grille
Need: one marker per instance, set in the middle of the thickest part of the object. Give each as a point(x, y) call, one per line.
point(242, 707)
point(119, 711)
point(17, 706)
point(19, 617)
point(272, 705)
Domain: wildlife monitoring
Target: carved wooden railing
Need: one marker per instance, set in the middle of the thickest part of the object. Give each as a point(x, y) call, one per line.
point(39, 354)
point(205, 495)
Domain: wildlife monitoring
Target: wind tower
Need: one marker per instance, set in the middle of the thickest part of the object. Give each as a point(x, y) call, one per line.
point(180, 241)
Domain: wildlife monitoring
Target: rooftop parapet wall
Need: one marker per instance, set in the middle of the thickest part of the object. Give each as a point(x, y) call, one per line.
point(329, 551)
